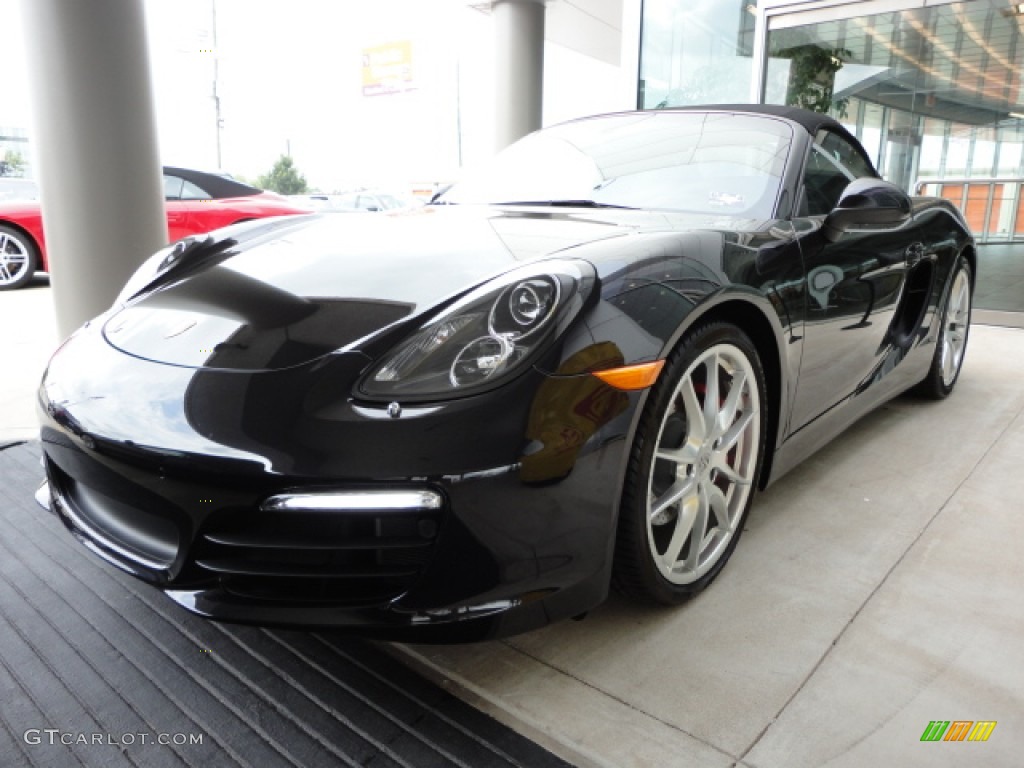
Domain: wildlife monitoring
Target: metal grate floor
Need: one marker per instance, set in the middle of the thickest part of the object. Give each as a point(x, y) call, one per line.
point(97, 669)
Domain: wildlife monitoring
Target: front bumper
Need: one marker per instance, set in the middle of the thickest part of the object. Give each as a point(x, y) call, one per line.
point(487, 550)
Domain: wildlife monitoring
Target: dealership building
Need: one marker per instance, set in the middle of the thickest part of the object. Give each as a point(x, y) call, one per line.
point(931, 88)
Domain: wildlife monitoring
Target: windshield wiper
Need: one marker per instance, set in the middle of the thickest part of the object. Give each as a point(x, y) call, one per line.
point(568, 204)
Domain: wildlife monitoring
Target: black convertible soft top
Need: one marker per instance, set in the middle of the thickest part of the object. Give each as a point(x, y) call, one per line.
point(811, 122)
point(215, 185)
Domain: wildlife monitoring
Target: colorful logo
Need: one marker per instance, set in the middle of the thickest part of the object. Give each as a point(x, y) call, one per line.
point(958, 730)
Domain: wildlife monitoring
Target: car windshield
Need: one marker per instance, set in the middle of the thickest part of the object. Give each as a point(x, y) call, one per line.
point(710, 163)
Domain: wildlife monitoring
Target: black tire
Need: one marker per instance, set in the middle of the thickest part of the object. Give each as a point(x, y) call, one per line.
point(645, 566)
point(19, 258)
point(954, 329)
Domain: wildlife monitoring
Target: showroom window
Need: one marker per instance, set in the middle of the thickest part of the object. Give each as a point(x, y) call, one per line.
point(934, 91)
point(696, 52)
point(936, 96)
point(931, 92)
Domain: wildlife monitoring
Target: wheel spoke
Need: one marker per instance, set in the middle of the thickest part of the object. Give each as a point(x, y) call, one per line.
point(727, 415)
point(732, 436)
point(680, 488)
point(697, 532)
point(720, 507)
point(689, 513)
point(685, 454)
point(711, 395)
point(691, 407)
point(732, 474)
point(963, 299)
point(948, 362)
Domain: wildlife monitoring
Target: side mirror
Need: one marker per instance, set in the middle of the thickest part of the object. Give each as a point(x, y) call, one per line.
point(867, 204)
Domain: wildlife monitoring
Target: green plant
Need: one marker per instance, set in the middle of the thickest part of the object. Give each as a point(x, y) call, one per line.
point(284, 178)
point(812, 76)
point(13, 163)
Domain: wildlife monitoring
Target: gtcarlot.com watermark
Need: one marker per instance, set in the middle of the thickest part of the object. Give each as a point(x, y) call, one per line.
point(36, 736)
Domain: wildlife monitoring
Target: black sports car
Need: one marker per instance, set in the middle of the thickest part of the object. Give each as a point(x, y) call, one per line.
point(573, 369)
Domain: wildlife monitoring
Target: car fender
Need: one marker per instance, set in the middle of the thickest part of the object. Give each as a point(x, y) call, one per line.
point(653, 293)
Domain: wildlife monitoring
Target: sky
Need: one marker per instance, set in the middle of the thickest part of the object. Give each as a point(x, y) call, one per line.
point(291, 79)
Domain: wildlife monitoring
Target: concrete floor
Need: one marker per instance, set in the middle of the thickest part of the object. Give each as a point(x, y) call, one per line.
point(877, 588)
point(30, 336)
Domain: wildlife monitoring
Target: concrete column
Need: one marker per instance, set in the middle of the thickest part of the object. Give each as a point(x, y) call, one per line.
point(94, 134)
point(519, 68)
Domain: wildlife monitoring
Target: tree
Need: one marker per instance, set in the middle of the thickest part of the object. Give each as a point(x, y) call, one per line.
point(812, 77)
point(13, 163)
point(284, 178)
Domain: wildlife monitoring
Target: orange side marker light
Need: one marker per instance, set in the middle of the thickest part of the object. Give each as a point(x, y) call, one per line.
point(630, 377)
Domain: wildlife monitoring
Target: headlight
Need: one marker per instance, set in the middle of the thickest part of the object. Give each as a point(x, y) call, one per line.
point(152, 268)
point(485, 337)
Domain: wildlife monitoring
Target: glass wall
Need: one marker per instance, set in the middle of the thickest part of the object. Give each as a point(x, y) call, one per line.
point(932, 90)
point(935, 94)
point(696, 52)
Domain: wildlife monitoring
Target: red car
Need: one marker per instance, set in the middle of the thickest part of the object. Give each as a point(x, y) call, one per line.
point(195, 202)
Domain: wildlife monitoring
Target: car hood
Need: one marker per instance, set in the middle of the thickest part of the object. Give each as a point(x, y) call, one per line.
point(264, 201)
point(268, 296)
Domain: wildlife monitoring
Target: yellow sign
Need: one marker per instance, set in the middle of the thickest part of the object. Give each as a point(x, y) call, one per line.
point(387, 69)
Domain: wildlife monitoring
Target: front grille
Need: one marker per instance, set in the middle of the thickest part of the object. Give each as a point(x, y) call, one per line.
point(340, 557)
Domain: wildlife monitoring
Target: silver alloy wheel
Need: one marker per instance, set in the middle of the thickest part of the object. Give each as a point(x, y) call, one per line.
point(14, 259)
point(954, 335)
point(703, 469)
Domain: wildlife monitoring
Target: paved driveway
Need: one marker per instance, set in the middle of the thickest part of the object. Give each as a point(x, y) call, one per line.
point(29, 338)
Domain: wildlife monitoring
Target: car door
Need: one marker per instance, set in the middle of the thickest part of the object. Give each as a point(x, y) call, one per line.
point(853, 285)
point(204, 212)
point(178, 211)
